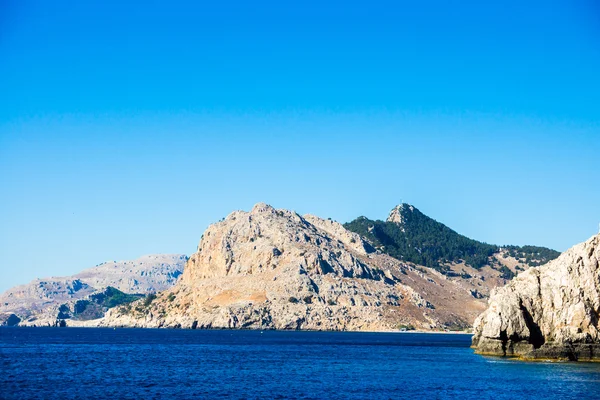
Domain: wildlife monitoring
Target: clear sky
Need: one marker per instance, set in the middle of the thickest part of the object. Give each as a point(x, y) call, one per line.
point(125, 129)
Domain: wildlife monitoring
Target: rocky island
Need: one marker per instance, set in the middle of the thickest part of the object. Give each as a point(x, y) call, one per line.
point(274, 269)
point(548, 312)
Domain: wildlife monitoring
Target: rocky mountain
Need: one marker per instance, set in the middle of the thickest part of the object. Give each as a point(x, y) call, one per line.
point(410, 235)
point(275, 269)
point(41, 301)
point(147, 274)
point(548, 312)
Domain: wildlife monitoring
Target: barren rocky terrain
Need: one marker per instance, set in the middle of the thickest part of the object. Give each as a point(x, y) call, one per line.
point(275, 269)
point(38, 302)
point(550, 311)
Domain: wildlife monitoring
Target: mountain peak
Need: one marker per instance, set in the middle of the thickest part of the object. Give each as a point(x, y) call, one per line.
point(262, 208)
point(410, 235)
point(397, 214)
point(271, 268)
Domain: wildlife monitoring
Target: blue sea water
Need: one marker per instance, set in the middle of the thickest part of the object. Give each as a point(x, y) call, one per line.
point(69, 363)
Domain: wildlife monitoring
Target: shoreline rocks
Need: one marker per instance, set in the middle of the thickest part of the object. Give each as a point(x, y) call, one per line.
point(547, 312)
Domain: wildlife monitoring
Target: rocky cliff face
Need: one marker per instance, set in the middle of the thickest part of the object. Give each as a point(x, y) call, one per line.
point(38, 302)
point(396, 215)
point(550, 311)
point(271, 268)
point(147, 274)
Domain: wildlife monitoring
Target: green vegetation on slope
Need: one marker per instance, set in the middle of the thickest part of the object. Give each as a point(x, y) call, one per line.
point(532, 255)
point(97, 304)
point(112, 297)
point(424, 241)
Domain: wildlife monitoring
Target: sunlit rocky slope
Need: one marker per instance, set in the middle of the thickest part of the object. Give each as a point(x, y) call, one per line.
point(547, 312)
point(271, 268)
point(44, 301)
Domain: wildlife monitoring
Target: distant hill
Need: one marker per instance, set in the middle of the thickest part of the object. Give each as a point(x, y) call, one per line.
point(410, 235)
point(90, 292)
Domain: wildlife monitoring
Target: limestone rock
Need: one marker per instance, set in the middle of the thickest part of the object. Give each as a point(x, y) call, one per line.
point(38, 302)
point(396, 213)
point(147, 274)
point(274, 269)
point(550, 311)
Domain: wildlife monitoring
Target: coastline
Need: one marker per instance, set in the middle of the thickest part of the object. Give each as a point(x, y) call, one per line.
point(88, 326)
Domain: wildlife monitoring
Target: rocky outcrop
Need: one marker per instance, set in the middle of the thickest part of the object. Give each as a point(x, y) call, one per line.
point(547, 312)
point(396, 215)
point(147, 274)
point(274, 269)
point(39, 302)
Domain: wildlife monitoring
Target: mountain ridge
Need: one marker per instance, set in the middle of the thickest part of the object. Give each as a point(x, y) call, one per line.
point(295, 272)
point(410, 235)
point(39, 301)
point(275, 269)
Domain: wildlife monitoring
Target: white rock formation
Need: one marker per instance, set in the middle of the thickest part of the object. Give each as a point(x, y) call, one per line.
point(550, 311)
point(147, 274)
point(396, 213)
point(271, 268)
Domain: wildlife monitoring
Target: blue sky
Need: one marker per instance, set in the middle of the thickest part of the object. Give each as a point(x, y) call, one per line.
point(125, 129)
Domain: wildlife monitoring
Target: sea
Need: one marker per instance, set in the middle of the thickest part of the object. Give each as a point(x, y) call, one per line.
point(95, 363)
